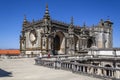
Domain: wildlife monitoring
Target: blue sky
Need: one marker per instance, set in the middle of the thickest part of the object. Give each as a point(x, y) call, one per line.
point(89, 11)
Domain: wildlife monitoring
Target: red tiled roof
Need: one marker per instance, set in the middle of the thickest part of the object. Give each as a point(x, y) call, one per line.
point(11, 52)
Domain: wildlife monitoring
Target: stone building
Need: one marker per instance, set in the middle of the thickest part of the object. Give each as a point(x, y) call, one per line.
point(56, 37)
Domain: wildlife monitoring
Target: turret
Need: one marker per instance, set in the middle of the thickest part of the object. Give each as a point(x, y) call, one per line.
point(104, 34)
point(108, 23)
point(108, 33)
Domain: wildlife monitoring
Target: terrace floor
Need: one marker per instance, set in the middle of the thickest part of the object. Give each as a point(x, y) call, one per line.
point(24, 69)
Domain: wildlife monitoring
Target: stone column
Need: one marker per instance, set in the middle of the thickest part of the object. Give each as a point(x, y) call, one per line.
point(104, 72)
point(73, 67)
point(77, 68)
point(99, 71)
point(48, 42)
point(91, 70)
point(88, 69)
point(117, 74)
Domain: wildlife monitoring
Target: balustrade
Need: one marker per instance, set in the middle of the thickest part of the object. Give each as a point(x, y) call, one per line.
point(97, 71)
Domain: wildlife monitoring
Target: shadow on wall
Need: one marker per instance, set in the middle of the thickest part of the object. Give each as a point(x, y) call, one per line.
point(4, 73)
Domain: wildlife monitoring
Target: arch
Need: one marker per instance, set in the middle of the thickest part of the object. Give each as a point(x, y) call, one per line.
point(118, 65)
point(61, 35)
point(107, 65)
point(108, 72)
point(89, 42)
point(59, 42)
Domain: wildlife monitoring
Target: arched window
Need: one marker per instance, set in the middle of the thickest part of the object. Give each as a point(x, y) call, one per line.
point(89, 43)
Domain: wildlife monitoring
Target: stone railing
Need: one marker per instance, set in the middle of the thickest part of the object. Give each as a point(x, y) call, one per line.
point(87, 69)
point(46, 63)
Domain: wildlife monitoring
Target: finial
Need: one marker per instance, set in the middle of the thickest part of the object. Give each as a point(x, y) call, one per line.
point(84, 24)
point(72, 22)
point(25, 18)
point(46, 9)
point(46, 5)
point(46, 15)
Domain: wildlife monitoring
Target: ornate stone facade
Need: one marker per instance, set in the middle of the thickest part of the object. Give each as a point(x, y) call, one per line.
point(55, 37)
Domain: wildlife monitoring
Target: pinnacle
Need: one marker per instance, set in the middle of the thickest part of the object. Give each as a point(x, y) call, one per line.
point(46, 15)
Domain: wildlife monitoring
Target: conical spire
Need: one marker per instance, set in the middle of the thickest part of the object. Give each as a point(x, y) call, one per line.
point(46, 15)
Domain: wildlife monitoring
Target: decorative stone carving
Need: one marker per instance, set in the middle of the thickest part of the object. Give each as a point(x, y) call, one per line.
point(33, 36)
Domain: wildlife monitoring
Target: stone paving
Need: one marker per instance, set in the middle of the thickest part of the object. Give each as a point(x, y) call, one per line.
point(24, 69)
